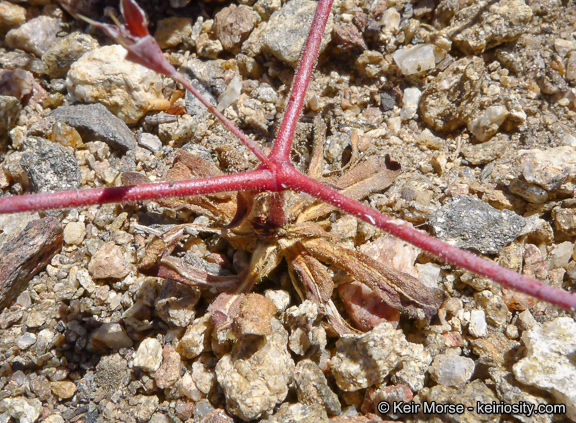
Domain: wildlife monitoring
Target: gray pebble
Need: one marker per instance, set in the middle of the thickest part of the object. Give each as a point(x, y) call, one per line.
point(50, 167)
point(469, 223)
point(95, 122)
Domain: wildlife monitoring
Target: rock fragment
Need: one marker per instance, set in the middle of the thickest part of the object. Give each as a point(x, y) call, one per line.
point(453, 96)
point(35, 36)
point(95, 122)
point(477, 326)
point(109, 335)
point(466, 222)
point(548, 168)
point(410, 103)
point(65, 51)
point(50, 167)
point(109, 262)
point(9, 111)
point(11, 16)
point(149, 355)
point(64, 389)
point(233, 25)
point(104, 76)
point(486, 24)
point(176, 303)
point(172, 31)
point(312, 387)
point(287, 30)
point(364, 361)
point(169, 371)
point(255, 375)
point(451, 370)
point(22, 409)
point(548, 363)
point(74, 233)
point(415, 59)
point(26, 255)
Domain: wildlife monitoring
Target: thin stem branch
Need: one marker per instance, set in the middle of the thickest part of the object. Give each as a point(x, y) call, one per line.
point(282, 145)
point(248, 142)
point(257, 180)
point(455, 256)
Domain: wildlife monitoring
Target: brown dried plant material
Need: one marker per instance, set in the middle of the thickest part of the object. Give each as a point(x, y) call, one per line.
point(304, 242)
point(26, 255)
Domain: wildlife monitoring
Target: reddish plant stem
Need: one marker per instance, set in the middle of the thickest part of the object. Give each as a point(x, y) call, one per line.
point(453, 255)
point(251, 144)
point(283, 143)
point(257, 180)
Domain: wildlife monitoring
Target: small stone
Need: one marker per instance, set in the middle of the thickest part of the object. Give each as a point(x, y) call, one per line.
point(529, 192)
point(11, 16)
point(35, 36)
point(26, 340)
point(548, 168)
point(495, 349)
point(85, 280)
point(172, 31)
point(9, 111)
point(563, 47)
point(94, 122)
point(494, 306)
point(488, 123)
point(169, 371)
point(280, 298)
point(65, 51)
point(477, 326)
point(560, 255)
point(512, 332)
point(288, 28)
point(387, 102)
point(571, 67)
point(484, 24)
point(366, 360)
point(16, 83)
point(74, 233)
point(486, 152)
point(526, 320)
point(64, 389)
point(466, 222)
point(176, 303)
point(103, 76)
point(255, 382)
point(149, 141)
point(312, 387)
point(452, 97)
point(548, 364)
point(415, 59)
point(22, 409)
point(50, 167)
point(109, 262)
point(110, 335)
point(348, 39)
point(233, 25)
point(565, 221)
point(255, 316)
point(410, 103)
point(144, 406)
point(299, 413)
point(149, 355)
point(451, 370)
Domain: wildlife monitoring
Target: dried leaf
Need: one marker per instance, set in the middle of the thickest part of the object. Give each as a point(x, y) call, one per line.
point(397, 289)
point(312, 275)
point(371, 176)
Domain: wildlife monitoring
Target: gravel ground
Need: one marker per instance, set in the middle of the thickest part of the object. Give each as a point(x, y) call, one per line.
point(475, 100)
